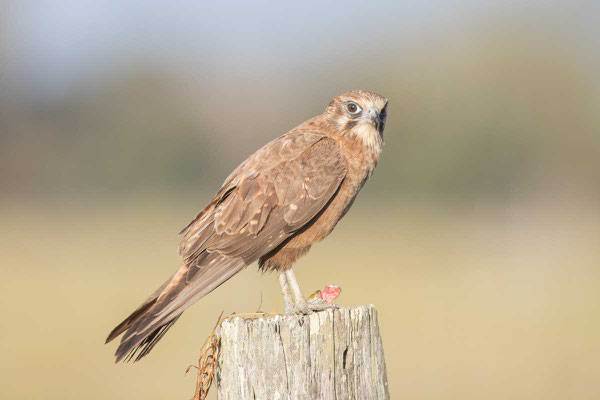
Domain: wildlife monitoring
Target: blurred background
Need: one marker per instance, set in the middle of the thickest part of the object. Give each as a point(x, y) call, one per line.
point(478, 237)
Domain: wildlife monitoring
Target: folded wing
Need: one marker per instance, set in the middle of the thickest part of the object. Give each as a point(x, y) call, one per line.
point(269, 197)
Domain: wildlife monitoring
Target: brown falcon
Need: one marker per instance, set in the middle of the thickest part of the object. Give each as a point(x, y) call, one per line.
point(286, 196)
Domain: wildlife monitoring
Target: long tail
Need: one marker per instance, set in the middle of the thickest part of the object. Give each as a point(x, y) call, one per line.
point(150, 321)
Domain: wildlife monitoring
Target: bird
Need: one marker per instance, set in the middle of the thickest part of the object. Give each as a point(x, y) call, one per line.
point(271, 209)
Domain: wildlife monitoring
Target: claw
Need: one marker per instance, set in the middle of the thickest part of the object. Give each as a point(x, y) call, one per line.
point(318, 301)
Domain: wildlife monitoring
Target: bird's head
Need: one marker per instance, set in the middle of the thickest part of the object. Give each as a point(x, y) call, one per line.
point(359, 113)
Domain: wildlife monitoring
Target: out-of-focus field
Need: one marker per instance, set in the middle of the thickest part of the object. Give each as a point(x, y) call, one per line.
point(478, 237)
point(497, 302)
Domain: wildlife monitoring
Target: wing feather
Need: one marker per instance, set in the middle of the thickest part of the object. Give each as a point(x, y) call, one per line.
point(270, 196)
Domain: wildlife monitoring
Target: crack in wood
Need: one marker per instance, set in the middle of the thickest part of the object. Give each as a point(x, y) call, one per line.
point(332, 354)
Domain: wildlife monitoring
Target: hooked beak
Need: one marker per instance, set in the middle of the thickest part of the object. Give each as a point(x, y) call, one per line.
point(372, 116)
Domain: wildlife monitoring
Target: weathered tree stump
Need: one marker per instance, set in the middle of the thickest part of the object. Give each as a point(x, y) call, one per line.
point(333, 354)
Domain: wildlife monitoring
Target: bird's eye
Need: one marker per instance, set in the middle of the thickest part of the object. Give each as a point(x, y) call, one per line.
point(353, 108)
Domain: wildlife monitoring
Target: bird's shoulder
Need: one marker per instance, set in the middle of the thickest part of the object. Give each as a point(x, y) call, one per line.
point(287, 181)
point(284, 149)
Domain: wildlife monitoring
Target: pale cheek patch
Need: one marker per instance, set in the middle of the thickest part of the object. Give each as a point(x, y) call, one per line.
point(369, 136)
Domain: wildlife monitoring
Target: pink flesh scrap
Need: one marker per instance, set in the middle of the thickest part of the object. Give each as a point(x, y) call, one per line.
point(330, 293)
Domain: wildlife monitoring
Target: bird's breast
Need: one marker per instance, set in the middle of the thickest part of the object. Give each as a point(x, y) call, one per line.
point(360, 166)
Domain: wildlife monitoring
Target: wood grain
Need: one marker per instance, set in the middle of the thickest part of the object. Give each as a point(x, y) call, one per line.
point(333, 354)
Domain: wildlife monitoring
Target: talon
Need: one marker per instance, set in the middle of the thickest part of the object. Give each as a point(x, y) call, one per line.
point(323, 306)
point(290, 310)
point(303, 308)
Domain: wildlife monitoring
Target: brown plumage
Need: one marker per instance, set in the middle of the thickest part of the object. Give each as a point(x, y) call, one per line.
point(286, 196)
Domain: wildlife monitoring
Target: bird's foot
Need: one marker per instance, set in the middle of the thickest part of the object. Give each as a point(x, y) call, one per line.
point(318, 301)
point(291, 309)
point(320, 306)
point(299, 308)
point(310, 307)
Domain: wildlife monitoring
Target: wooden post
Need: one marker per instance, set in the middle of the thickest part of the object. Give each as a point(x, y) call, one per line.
point(333, 354)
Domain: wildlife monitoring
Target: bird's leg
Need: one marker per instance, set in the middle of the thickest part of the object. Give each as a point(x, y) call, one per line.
point(289, 307)
point(302, 305)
